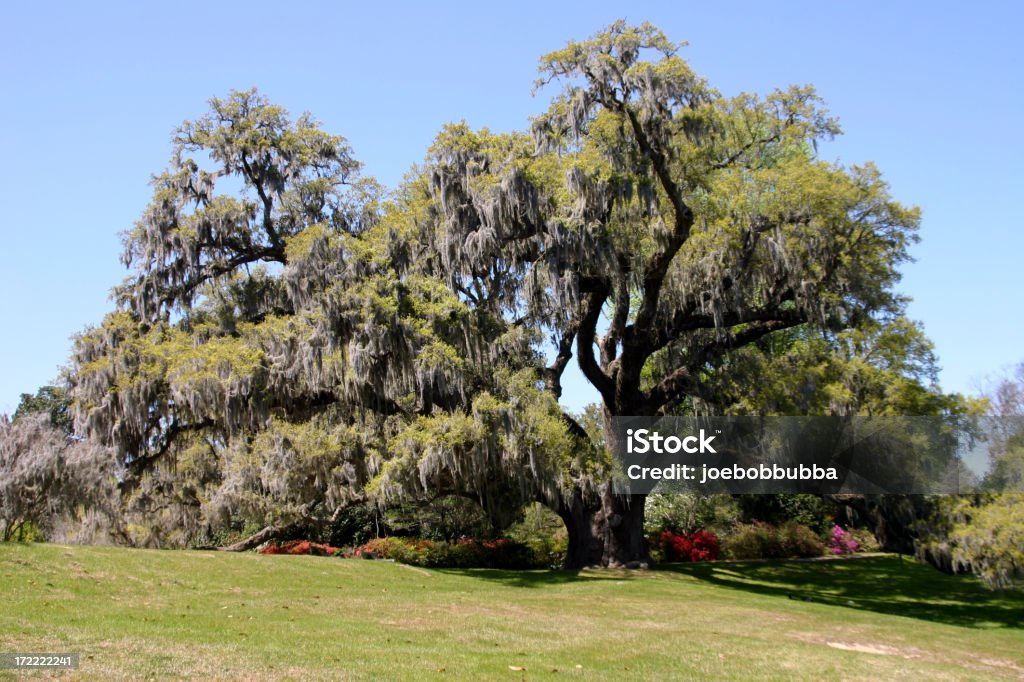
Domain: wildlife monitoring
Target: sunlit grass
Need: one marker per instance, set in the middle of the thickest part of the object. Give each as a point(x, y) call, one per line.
point(135, 614)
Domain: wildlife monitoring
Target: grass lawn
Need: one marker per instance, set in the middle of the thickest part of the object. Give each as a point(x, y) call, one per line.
point(140, 614)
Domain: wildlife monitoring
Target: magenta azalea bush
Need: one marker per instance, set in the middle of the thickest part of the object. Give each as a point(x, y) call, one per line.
point(842, 541)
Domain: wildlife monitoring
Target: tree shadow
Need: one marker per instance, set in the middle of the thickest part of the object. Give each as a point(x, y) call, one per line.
point(891, 585)
point(536, 578)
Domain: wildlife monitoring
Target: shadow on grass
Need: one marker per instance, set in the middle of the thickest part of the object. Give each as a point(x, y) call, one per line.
point(890, 585)
point(532, 578)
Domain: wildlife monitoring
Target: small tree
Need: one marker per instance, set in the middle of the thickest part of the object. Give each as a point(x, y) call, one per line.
point(47, 475)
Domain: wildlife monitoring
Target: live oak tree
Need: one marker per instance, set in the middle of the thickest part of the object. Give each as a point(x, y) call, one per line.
point(649, 222)
point(273, 357)
point(306, 342)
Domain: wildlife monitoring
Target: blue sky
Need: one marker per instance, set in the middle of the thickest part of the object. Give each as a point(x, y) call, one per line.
point(933, 93)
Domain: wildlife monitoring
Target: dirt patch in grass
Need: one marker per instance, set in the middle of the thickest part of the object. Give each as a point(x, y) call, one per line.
point(994, 666)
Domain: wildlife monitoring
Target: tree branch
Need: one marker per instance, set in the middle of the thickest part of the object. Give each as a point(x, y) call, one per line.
point(553, 373)
point(585, 340)
point(610, 340)
point(654, 275)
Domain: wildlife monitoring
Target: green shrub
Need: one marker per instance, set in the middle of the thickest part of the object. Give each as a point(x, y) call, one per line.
point(544, 533)
point(809, 510)
point(865, 539)
point(685, 513)
point(465, 553)
point(760, 540)
point(800, 541)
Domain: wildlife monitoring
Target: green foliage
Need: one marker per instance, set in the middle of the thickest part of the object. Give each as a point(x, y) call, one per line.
point(445, 519)
point(50, 399)
point(683, 514)
point(983, 534)
point(760, 540)
point(989, 539)
point(543, 532)
point(310, 343)
point(808, 510)
point(343, 372)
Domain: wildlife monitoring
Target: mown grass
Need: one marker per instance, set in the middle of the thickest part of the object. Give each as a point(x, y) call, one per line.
point(136, 614)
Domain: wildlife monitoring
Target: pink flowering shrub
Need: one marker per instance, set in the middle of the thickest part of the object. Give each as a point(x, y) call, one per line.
point(842, 541)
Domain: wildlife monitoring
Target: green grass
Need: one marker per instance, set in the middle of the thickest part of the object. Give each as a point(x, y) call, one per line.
point(138, 614)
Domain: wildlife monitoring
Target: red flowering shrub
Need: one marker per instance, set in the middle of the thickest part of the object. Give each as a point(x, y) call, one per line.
point(301, 547)
point(700, 545)
point(704, 546)
point(466, 553)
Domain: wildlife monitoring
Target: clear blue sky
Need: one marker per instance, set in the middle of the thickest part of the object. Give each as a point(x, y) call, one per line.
point(932, 92)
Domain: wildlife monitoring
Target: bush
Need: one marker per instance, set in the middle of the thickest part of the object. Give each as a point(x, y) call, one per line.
point(445, 519)
point(842, 542)
point(700, 545)
point(800, 541)
point(405, 550)
point(464, 553)
point(987, 538)
point(683, 513)
point(865, 538)
point(301, 547)
point(808, 510)
point(760, 540)
point(544, 533)
point(752, 541)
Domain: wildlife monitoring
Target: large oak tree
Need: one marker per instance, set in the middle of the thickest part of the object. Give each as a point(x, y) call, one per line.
point(292, 339)
point(654, 227)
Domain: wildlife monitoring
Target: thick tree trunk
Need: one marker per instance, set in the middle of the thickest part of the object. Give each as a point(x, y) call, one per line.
point(584, 548)
point(608, 531)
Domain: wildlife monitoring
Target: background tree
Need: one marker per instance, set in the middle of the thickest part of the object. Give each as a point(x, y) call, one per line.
point(50, 399)
point(649, 220)
point(983, 532)
point(52, 484)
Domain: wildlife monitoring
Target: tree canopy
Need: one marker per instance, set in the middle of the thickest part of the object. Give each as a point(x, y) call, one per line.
point(293, 338)
point(274, 355)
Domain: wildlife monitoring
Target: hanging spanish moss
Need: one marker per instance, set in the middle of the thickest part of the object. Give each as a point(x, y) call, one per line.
point(295, 340)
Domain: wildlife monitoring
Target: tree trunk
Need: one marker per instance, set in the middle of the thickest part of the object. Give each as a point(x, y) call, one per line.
point(605, 532)
point(256, 539)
